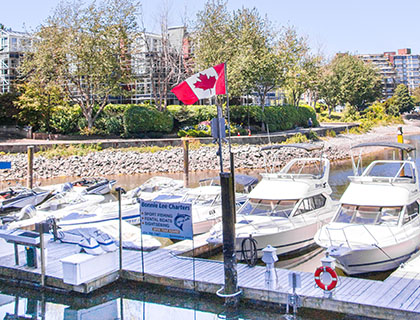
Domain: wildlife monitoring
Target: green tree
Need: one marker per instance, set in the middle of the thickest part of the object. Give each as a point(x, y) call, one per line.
point(37, 103)
point(416, 95)
point(8, 110)
point(302, 67)
point(211, 36)
point(84, 48)
point(402, 99)
point(244, 40)
point(347, 79)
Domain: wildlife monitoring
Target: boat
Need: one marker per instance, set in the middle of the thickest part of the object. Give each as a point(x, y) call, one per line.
point(286, 208)
point(243, 183)
point(106, 233)
point(98, 186)
point(94, 185)
point(19, 197)
point(205, 200)
point(155, 186)
point(377, 224)
point(59, 205)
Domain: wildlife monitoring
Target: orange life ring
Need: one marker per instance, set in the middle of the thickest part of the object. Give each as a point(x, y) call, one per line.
point(322, 285)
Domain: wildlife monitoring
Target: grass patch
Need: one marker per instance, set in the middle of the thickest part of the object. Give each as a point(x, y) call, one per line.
point(330, 133)
point(144, 149)
point(69, 150)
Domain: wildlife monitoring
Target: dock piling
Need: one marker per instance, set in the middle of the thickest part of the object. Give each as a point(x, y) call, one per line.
point(30, 180)
point(231, 292)
point(185, 147)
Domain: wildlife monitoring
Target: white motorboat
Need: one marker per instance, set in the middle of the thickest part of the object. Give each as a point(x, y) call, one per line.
point(59, 205)
point(286, 208)
point(157, 185)
point(98, 186)
point(377, 225)
point(131, 236)
point(19, 197)
point(94, 186)
point(205, 200)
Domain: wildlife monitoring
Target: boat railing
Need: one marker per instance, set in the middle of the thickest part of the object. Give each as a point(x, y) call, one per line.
point(375, 179)
point(291, 176)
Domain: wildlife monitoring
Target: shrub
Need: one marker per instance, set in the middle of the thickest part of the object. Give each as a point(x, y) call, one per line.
point(330, 133)
point(66, 119)
point(145, 119)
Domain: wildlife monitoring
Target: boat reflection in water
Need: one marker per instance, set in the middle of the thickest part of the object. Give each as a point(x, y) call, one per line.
point(128, 301)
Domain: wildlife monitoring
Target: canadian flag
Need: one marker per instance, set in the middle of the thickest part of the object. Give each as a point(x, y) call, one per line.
point(202, 85)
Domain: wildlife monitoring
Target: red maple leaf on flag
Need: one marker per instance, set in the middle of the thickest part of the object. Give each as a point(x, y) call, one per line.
point(205, 82)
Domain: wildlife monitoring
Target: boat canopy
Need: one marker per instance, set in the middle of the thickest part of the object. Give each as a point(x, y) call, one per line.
point(241, 179)
point(375, 195)
point(306, 146)
point(402, 146)
point(280, 190)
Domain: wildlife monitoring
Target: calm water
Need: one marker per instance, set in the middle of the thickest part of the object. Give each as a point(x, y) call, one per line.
point(127, 301)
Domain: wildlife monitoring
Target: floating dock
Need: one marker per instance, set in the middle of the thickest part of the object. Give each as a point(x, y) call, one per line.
point(396, 297)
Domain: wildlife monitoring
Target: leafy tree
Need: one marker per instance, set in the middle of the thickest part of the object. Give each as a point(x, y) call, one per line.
point(402, 99)
point(84, 48)
point(244, 40)
point(302, 68)
point(347, 79)
point(416, 95)
point(391, 107)
point(254, 60)
point(211, 37)
point(8, 110)
point(38, 102)
point(329, 88)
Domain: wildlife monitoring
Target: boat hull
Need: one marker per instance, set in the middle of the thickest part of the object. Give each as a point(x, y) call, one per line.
point(285, 241)
point(372, 258)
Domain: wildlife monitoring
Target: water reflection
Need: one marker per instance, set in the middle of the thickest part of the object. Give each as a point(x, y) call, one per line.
point(129, 301)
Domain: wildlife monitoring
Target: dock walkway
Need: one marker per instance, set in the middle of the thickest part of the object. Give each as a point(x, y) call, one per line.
point(396, 297)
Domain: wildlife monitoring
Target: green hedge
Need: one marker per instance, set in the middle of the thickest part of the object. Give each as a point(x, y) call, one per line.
point(144, 119)
point(139, 120)
point(277, 118)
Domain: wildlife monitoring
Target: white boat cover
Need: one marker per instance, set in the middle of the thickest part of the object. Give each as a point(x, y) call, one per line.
point(378, 195)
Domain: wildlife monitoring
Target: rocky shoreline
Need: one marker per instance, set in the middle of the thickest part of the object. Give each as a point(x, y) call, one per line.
point(116, 162)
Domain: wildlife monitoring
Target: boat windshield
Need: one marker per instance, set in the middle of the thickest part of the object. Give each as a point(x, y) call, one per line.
point(368, 215)
point(274, 208)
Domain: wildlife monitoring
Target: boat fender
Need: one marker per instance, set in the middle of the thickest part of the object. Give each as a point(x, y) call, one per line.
point(333, 275)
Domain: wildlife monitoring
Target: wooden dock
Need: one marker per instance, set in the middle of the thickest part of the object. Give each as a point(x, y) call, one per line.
point(396, 297)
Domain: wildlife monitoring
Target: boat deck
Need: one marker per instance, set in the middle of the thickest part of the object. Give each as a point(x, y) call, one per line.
point(396, 297)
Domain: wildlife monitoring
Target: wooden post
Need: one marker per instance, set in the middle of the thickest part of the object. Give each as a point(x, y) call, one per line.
point(29, 183)
point(119, 190)
point(229, 237)
point(185, 147)
point(41, 227)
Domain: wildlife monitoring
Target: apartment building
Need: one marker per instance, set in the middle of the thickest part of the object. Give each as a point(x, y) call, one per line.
point(385, 68)
point(401, 67)
point(407, 67)
point(13, 45)
point(150, 56)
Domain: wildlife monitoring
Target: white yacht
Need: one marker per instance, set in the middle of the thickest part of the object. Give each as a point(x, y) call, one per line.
point(377, 225)
point(286, 208)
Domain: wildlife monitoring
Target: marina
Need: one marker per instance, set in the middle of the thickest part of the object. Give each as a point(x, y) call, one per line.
point(182, 266)
point(396, 297)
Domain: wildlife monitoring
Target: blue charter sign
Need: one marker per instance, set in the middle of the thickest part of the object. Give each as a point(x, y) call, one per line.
point(166, 219)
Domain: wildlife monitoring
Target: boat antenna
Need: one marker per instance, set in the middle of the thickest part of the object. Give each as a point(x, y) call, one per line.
point(268, 134)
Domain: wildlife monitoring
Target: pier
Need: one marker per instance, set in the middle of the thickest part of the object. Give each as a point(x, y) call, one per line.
point(396, 297)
